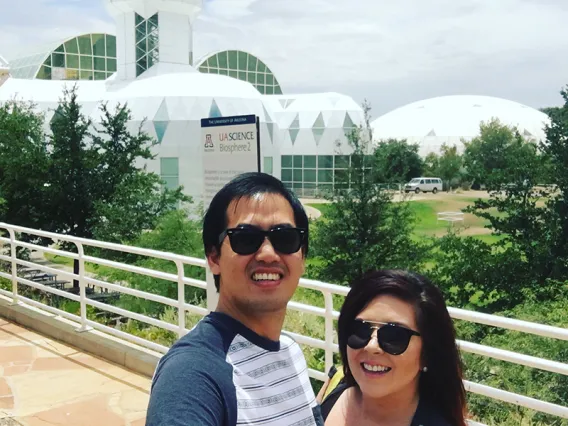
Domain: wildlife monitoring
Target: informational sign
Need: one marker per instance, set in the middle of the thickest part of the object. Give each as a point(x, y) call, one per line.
point(231, 146)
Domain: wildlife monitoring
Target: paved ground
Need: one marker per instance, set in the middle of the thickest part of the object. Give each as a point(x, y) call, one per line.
point(44, 382)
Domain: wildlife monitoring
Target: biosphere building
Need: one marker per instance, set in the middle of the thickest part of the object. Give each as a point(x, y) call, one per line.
point(149, 64)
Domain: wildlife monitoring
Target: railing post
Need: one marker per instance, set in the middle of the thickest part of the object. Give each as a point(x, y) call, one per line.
point(181, 298)
point(15, 298)
point(212, 295)
point(328, 298)
point(82, 289)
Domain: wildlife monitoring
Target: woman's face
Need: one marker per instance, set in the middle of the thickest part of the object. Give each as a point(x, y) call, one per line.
point(379, 374)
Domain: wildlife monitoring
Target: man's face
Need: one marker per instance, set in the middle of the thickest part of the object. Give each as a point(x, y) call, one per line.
point(243, 283)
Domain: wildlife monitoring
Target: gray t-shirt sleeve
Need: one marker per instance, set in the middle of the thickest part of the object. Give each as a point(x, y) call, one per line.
point(191, 388)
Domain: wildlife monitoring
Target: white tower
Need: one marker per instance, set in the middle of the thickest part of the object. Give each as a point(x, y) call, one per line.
point(153, 34)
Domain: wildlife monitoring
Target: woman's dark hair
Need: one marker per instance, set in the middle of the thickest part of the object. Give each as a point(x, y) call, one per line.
point(441, 386)
point(246, 185)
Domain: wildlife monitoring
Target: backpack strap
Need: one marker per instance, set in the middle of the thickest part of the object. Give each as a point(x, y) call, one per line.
point(336, 376)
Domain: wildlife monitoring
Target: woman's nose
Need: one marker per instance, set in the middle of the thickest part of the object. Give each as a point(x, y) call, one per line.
point(373, 345)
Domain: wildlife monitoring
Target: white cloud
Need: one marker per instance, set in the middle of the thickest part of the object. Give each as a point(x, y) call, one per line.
point(390, 52)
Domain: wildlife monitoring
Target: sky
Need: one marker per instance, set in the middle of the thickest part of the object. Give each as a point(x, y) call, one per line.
point(390, 53)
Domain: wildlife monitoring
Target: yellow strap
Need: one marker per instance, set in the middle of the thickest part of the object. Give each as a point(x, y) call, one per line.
point(334, 381)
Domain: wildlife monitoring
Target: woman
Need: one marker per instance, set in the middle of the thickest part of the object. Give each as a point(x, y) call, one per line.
point(400, 361)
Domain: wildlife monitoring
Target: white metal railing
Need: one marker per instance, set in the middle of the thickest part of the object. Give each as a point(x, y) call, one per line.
point(327, 312)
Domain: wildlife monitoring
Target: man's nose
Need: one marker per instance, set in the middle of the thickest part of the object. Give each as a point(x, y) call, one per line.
point(266, 252)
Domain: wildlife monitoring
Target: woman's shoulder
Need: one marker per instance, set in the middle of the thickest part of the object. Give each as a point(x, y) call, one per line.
point(426, 415)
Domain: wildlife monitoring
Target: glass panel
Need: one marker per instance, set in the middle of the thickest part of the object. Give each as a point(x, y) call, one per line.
point(260, 88)
point(171, 182)
point(48, 61)
point(100, 64)
point(203, 69)
point(86, 75)
point(58, 60)
point(153, 21)
point(100, 75)
point(60, 49)
point(110, 46)
point(111, 65)
point(310, 161)
point(342, 177)
point(152, 42)
point(297, 175)
point(252, 63)
point(85, 45)
point(72, 61)
point(243, 61)
point(277, 90)
point(140, 69)
point(287, 175)
point(286, 161)
point(251, 78)
point(86, 62)
point(234, 74)
point(138, 19)
point(325, 161)
point(242, 75)
point(298, 161)
point(44, 73)
point(342, 161)
point(140, 51)
point(233, 60)
point(270, 79)
point(223, 72)
point(309, 185)
point(223, 60)
point(261, 67)
point(268, 165)
point(71, 74)
point(213, 61)
point(71, 46)
point(169, 166)
point(260, 78)
point(309, 175)
point(297, 185)
point(269, 90)
point(98, 44)
point(325, 176)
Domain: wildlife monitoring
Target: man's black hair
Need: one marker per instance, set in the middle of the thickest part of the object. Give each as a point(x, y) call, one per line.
point(246, 185)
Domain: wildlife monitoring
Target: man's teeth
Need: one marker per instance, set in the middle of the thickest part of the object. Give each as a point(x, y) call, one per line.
point(266, 277)
point(370, 367)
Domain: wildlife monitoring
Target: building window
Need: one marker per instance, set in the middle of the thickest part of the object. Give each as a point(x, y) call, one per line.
point(147, 43)
point(169, 172)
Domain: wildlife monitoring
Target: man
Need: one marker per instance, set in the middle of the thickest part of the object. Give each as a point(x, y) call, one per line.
point(235, 367)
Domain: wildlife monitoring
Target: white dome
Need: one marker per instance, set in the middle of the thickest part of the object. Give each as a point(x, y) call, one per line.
point(449, 119)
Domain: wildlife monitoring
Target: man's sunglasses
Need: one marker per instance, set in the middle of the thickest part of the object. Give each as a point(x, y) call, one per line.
point(393, 338)
point(248, 239)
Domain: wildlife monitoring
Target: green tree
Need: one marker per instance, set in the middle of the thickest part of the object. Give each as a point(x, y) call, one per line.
point(432, 164)
point(492, 158)
point(363, 228)
point(531, 257)
point(395, 161)
point(449, 165)
point(23, 165)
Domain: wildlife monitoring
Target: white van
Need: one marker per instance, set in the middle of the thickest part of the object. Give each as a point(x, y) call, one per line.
point(424, 184)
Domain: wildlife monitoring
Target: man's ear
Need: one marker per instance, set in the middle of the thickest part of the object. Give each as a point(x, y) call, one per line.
point(213, 261)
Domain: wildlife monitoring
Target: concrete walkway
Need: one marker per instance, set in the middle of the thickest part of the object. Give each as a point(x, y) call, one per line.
point(44, 382)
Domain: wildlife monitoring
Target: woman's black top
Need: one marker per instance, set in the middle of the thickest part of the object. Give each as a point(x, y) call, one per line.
point(424, 416)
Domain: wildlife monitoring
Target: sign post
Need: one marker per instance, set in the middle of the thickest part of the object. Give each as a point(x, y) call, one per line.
point(231, 146)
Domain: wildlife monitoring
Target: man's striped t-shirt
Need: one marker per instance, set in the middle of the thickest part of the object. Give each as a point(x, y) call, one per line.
point(223, 374)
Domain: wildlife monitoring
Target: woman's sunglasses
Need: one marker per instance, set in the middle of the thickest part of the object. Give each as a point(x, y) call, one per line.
point(248, 239)
point(393, 338)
